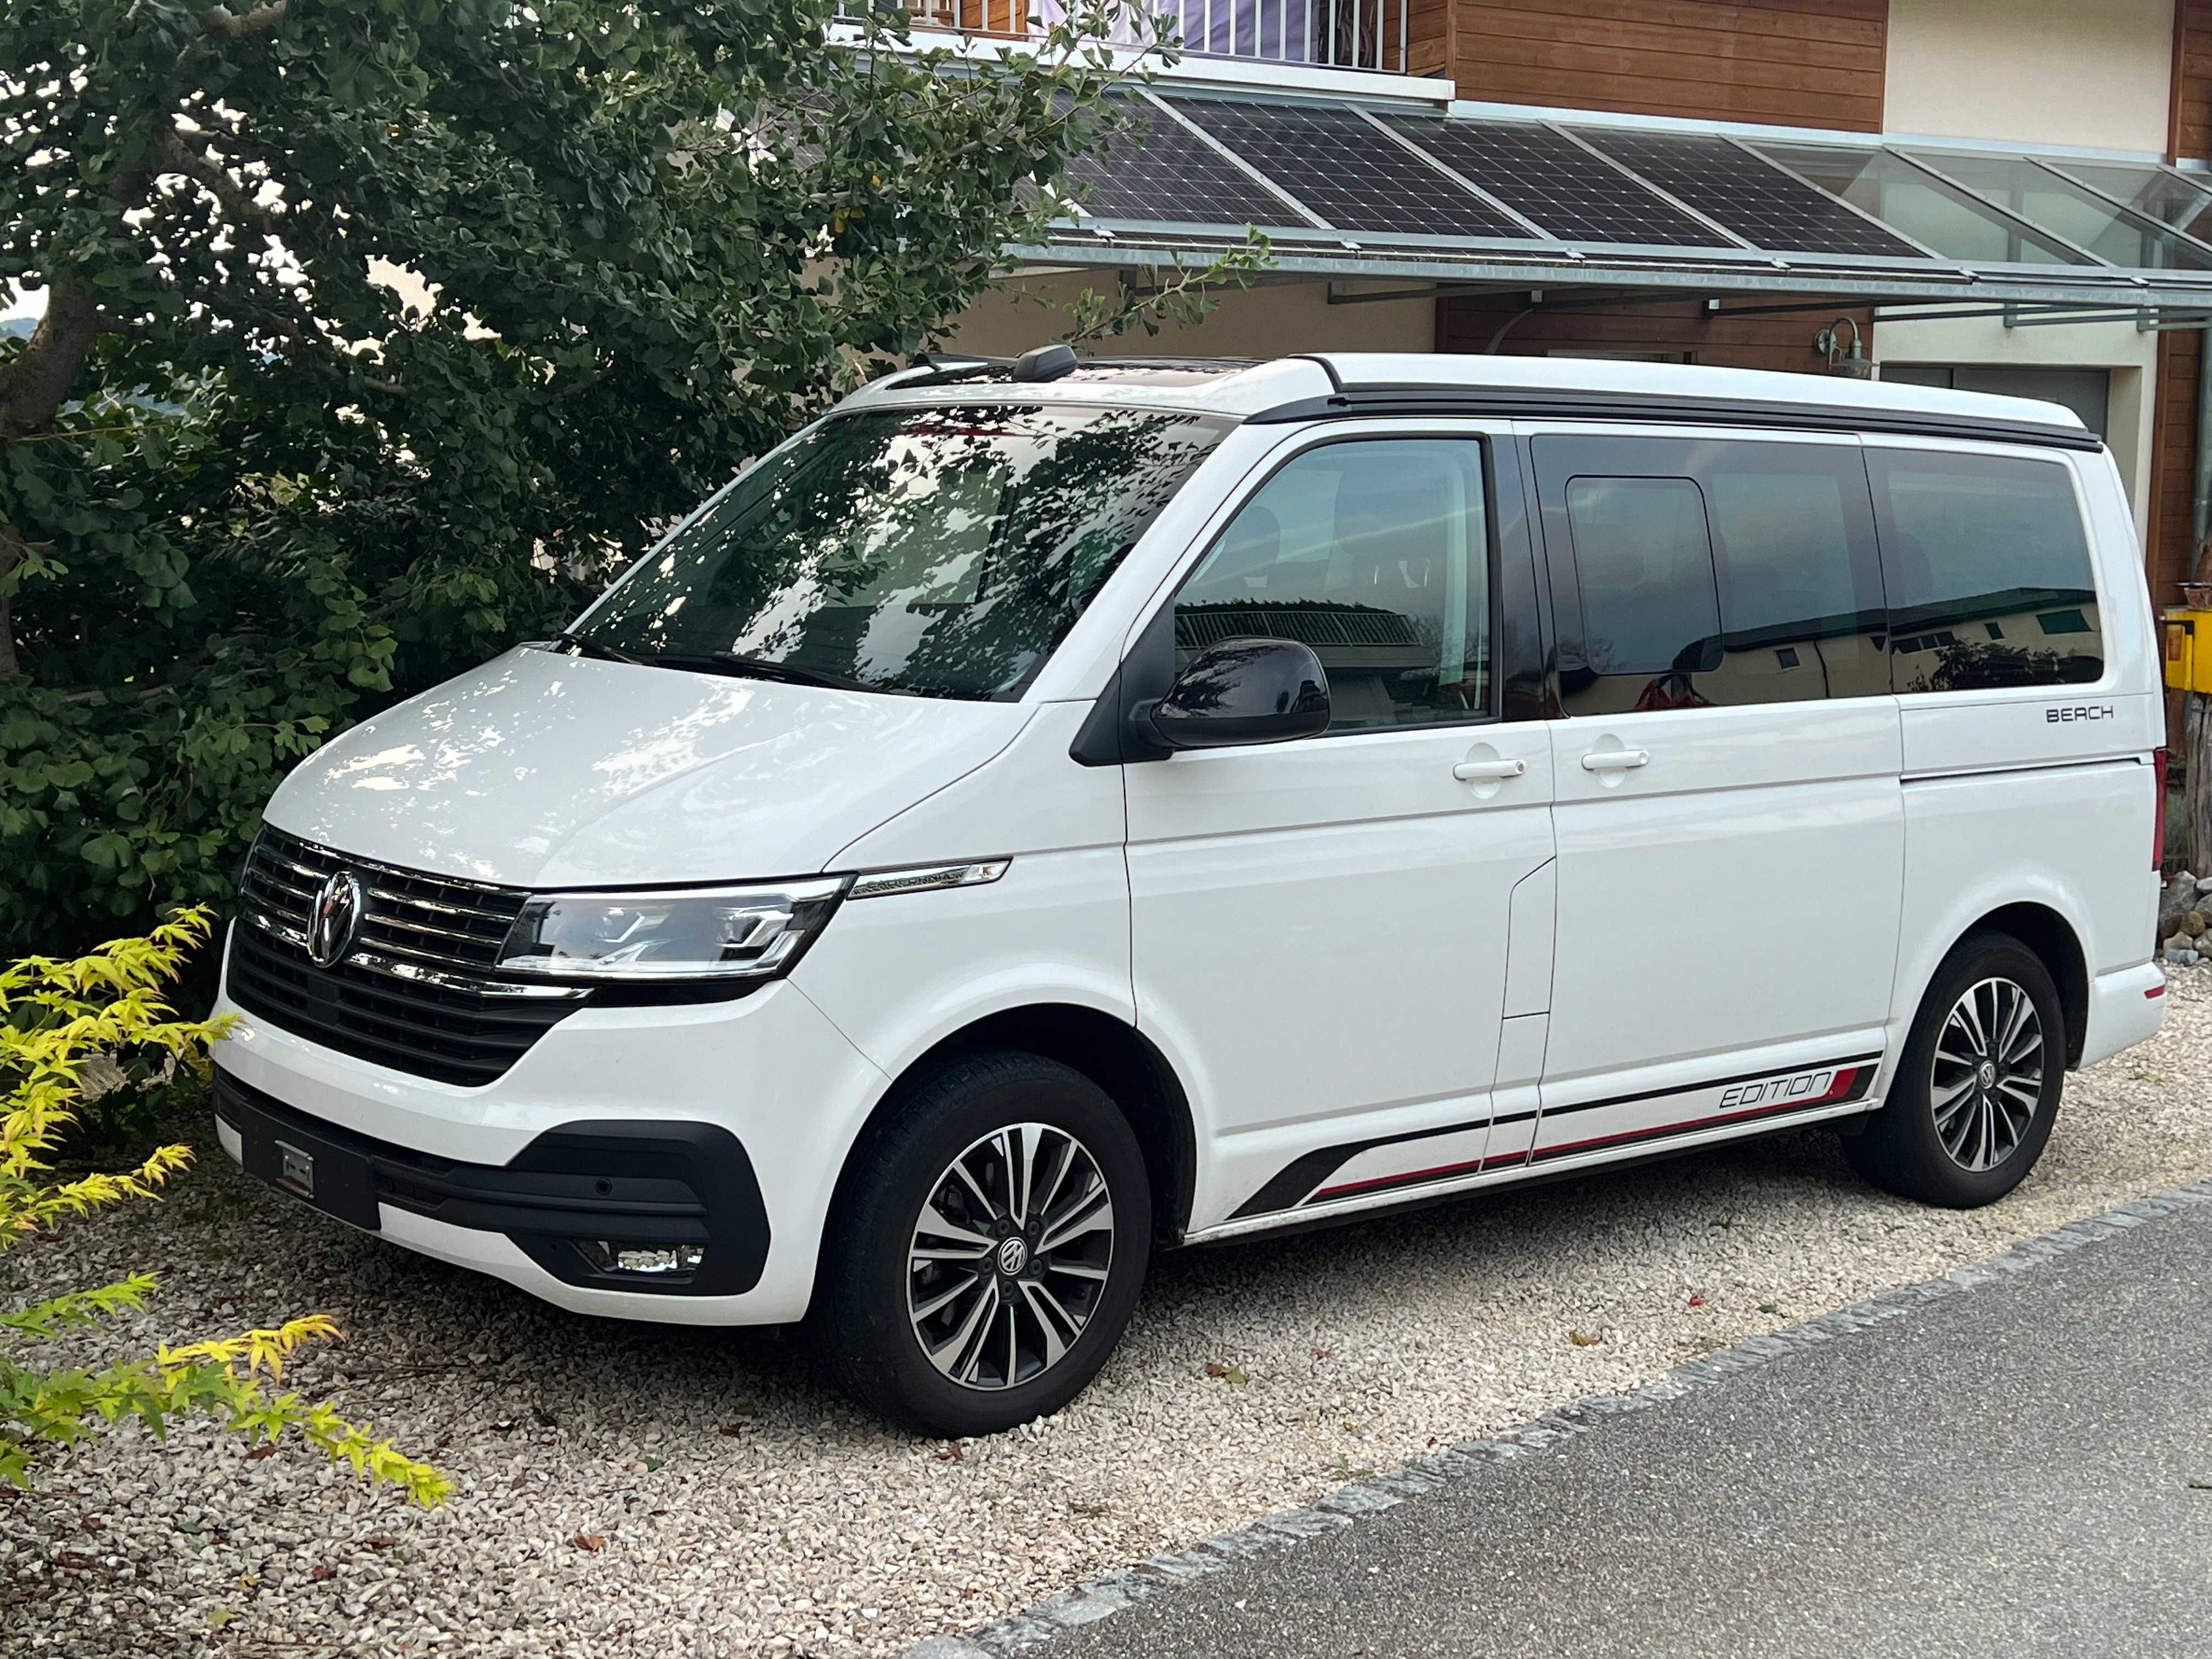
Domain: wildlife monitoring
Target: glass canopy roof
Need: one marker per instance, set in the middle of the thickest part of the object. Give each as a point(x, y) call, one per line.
point(1344, 188)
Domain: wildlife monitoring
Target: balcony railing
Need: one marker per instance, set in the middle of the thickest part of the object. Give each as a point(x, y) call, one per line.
point(1351, 34)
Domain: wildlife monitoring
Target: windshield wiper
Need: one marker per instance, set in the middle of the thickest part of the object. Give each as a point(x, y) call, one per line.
point(755, 668)
point(584, 647)
point(714, 662)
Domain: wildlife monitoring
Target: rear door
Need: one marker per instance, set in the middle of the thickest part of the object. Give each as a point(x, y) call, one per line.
point(1729, 827)
point(1321, 928)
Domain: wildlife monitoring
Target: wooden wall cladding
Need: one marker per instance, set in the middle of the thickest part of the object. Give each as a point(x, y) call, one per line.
point(2172, 465)
point(2174, 425)
point(1428, 37)
point(1799, 63)
point(2193, 78)
point(1679, 332)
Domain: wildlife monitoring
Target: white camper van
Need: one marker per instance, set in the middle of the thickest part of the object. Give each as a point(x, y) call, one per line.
point(1046, 813)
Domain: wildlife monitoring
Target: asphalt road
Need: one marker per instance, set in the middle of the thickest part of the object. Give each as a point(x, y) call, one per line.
point(2023, 1469)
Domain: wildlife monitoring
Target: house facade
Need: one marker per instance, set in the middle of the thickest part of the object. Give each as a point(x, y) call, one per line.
point(2000, 194)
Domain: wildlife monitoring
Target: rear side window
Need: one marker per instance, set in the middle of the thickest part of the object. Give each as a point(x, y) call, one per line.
point(1375, 552)
point(1650, 604)
point(1988, 569)
point(1728, 572)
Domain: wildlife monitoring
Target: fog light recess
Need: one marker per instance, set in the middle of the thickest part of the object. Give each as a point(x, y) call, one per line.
point(609, 1255)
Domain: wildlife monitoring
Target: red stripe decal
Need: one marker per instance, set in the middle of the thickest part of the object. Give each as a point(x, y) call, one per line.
point(1845, 1078)
point(1839, 1088)
point(1432, 1174)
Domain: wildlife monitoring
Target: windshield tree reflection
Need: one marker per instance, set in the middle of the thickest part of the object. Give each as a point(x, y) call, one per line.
point(940, 552)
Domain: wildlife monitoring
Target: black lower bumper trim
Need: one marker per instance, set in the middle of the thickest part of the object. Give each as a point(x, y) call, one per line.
point(655, 1185)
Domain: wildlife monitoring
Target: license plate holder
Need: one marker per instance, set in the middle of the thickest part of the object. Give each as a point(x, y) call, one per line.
point(317, 1170)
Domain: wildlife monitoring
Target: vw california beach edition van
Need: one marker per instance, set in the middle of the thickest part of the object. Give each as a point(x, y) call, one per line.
point(1047, 812)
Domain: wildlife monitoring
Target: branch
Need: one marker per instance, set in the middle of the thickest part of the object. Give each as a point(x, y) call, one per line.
point(1181, 300)
point(193, 165)
point(221, 20)
point(35, 386)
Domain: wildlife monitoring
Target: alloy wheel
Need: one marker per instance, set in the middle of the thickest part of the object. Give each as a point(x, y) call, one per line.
point(1010, 1256)
point(1985, 1081)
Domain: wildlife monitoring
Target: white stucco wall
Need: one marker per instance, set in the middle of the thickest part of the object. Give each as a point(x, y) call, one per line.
point(2132, 357)
point(1268, 321)
point(2086, 72)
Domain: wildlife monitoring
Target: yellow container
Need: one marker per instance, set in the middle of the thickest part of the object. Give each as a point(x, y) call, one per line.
point(2189, 648)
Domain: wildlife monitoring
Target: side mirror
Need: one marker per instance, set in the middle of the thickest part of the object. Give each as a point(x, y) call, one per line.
point(1244, 690)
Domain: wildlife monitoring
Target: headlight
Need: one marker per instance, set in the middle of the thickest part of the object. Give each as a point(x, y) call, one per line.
point(754, 931)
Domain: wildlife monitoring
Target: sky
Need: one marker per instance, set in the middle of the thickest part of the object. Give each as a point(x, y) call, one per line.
point(22, 304)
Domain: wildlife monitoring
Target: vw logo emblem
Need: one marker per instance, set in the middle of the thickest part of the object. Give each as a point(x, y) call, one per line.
point(336, 915)
point(1013, 1256)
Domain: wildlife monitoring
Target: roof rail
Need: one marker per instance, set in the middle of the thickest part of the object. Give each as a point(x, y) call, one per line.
point(1542, 403)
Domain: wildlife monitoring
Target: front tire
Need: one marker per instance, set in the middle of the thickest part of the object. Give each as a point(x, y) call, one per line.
point(987, 1250)
point(1977, 1087)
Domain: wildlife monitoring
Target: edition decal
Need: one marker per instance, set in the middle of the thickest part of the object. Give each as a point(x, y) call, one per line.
point(1306, 1180)
point(1754, 1097)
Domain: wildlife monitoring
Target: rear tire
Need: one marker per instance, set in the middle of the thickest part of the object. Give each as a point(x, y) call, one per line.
point(987, 1249)
point(1978, 1087)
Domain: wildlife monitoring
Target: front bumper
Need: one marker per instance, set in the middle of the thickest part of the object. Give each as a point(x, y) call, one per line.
point(768, 1076)
point(577, 1200)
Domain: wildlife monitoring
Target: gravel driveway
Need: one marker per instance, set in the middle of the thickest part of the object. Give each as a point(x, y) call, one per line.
point(638, 1490)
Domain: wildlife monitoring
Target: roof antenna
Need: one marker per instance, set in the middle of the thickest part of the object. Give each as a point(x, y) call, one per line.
point(1045, 362)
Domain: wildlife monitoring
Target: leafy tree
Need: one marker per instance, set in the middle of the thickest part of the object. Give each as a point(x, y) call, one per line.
point(248, 493)
point(55, 1018)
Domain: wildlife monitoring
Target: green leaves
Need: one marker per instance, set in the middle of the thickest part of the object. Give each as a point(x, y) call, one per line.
point(638, 242)
point(56, 1017)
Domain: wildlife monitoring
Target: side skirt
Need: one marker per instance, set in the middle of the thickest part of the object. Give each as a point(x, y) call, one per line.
point(1301, 1195)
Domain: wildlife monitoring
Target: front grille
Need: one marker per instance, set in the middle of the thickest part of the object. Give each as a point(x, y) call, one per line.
point(417, 991)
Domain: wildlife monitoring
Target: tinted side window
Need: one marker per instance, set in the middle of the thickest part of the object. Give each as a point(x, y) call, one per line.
point(1988, 569)
point(1375, 552)
point(1651, 607)
point(1728, 572)
point(1801, 605)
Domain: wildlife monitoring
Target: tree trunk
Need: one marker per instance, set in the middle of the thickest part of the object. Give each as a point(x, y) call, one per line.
point(32, 392)
point(38, 383)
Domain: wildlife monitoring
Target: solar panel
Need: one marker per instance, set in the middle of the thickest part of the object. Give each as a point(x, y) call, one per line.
point(1155, 168)
point(1352, 175)
point(1758, 201)
point(1571, 193)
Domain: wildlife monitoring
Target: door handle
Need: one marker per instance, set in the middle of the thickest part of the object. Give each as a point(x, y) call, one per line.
point(1615, 760)
point(1475, 771)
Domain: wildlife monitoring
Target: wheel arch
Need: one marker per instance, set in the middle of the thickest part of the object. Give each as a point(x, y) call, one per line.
point(1106, 1050)
point(2058, 947)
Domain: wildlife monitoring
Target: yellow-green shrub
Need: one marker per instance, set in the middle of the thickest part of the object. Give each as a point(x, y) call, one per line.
point(55, 1018)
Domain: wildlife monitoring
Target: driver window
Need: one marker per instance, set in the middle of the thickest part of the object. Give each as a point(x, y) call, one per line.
point(1375, 552)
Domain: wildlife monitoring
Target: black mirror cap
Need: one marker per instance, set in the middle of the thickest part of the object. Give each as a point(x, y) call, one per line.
point(1245, 691)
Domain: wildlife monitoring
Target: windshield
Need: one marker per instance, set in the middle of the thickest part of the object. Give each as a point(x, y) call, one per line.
point(941, 552)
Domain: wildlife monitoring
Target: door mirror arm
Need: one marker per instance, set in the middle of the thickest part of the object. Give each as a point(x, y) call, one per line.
point(1118, 731)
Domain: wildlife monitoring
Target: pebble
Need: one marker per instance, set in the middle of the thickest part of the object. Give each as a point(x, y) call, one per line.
point(740, 1510)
